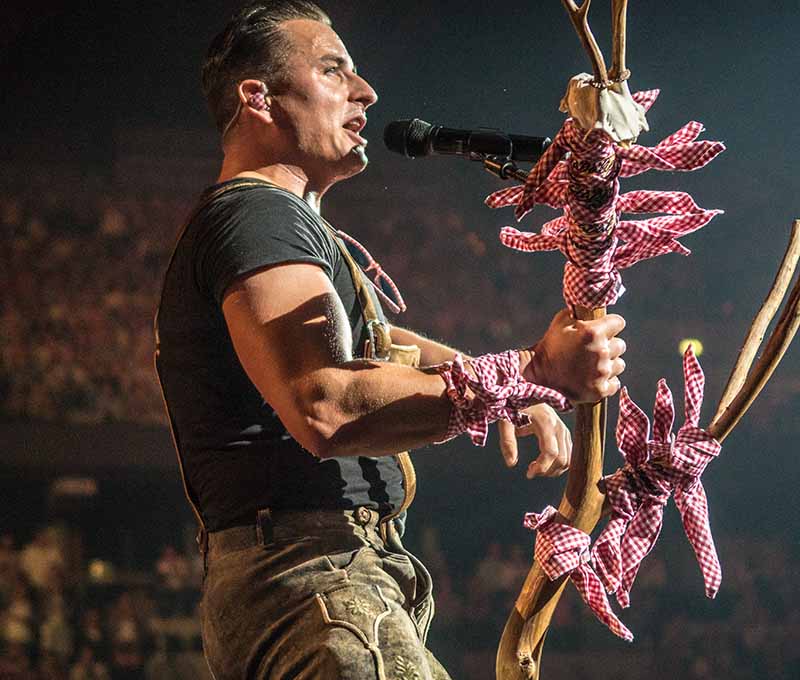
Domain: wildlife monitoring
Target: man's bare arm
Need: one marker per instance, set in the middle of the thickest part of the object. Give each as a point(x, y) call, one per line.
point(292, 336)
point(552, 435)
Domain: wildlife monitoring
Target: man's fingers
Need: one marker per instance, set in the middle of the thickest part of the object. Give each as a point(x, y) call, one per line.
point(612, 387)
point(508, 442)
point(609, 325)
point(552, 436)
point(539, 467)
point(545, 466)
point(552, 461)
point(616, 347)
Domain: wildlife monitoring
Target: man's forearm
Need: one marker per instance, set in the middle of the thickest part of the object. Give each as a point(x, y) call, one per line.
point(378, 408)
point(432, 352)
point(373, 408)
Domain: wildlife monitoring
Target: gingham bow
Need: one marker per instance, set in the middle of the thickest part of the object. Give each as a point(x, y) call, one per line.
point(654, 469)
point(498, 392)
point(562, 549)
point(580, 173)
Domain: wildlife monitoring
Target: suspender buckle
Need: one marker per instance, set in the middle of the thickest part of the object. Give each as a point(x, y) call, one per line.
point(379, 342)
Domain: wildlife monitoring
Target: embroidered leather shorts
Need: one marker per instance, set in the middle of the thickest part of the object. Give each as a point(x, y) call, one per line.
point(318, 595)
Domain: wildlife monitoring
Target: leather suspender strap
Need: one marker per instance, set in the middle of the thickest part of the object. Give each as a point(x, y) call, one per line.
point(379, 340)
point(382, 349)
point(202, 536)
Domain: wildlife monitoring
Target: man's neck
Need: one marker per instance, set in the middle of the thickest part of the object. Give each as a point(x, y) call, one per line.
point(287, 177)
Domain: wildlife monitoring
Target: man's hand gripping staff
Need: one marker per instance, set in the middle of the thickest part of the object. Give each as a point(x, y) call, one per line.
point(584, 359)
point(575, 361)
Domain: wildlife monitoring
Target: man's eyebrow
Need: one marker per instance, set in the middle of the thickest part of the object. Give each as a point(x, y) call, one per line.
point(340, 61)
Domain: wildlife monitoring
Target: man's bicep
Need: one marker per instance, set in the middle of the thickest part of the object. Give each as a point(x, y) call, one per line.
point(285, 322)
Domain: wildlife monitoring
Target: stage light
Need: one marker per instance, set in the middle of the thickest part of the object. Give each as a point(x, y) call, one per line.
point(101, 571)
point(696, 344)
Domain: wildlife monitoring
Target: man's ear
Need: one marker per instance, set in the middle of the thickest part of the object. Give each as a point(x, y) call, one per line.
point(254, 97)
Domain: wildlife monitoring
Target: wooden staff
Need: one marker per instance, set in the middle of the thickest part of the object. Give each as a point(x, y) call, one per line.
point(520, 650)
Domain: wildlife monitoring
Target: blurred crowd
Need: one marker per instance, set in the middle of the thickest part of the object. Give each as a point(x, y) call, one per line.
point(81, 271)
point(81, 275)
point(79, 281)
point(63, 617)
point(749, 631)
point(66, 618)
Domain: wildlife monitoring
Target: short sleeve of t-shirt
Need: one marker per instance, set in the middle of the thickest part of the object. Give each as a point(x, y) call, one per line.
point(254, 227)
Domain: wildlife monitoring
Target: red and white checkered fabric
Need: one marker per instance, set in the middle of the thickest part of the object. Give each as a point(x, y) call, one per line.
point(655, 469)
point(580, 173)
point(381, 282)
point(498, 392)
point(562, 549)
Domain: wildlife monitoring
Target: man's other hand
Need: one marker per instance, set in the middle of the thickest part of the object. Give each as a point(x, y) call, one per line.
point(555, 442)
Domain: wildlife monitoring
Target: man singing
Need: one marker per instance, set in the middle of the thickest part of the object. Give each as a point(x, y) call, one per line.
point(291, 398)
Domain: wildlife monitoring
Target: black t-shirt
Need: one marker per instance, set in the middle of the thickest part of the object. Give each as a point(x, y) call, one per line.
point(237, 456)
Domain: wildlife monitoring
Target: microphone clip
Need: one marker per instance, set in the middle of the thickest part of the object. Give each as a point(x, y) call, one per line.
point(501, 166)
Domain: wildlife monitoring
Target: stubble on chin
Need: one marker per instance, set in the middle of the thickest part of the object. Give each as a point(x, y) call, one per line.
point(353, 163)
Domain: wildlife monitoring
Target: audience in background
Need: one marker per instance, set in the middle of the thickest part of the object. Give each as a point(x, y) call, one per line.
point(132, 628)
point(80, 277)
point(81, 274)
point(87, 667)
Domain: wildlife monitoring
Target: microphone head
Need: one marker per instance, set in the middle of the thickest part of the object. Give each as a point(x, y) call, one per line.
point(408, 137)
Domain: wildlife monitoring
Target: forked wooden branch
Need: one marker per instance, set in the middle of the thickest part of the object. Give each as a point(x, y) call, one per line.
point(520, 651)
point(759, 327)
point(745, 385)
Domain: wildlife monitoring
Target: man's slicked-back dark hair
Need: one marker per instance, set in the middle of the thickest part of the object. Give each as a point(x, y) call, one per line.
point(252, 45)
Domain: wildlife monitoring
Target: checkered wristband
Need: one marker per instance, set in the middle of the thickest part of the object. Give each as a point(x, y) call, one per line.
point(497, 392)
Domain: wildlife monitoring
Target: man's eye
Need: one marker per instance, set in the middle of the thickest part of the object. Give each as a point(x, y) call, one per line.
point(332, 69)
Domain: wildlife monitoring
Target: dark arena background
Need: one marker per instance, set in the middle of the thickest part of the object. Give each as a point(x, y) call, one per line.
point(105, 145)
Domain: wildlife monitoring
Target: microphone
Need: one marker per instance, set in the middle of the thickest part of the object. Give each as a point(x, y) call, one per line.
point(415, 137)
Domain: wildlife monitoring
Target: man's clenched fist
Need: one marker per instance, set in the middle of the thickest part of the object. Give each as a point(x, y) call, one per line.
point(580, 359)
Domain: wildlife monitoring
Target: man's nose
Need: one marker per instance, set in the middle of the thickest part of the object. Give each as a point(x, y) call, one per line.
point(363, 92)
